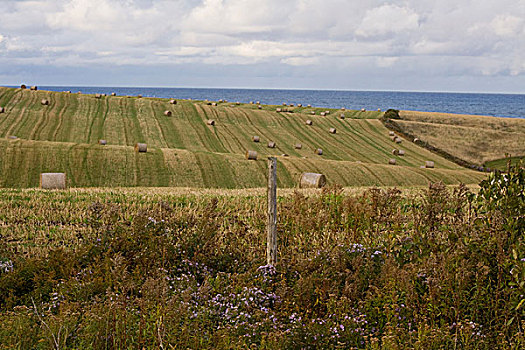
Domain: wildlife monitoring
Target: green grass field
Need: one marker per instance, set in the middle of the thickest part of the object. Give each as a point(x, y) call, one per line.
point(185, 152)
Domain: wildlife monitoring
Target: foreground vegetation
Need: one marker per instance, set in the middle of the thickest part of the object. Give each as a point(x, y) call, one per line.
point(107, 269)
point(183, 151)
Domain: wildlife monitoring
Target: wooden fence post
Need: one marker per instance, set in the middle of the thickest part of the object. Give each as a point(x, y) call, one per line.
point(271, 246)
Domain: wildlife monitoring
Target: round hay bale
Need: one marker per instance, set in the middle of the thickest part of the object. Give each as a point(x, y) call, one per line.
point(327, 112)
point(238, 103)
point(291, 104)
point(104, 95)
point(392, 161)
point(379, 109)
point(343, 109)
point(45, 102)
point(33, 88)
point(173, 102)
point(102, 142)
point(319, 151)
point(98, 95)
point(80, 93)
point(312, 180)
point(278, 110)
point(363, 110)
point(141, 147)
point(167, 113)
point(298, 146)
point(220, 101)
point(251, 102)
point(255, 138)
point(259, 106)
point(416, 140)
point(23, 86)
point(312, 112)
point(299, 105)
point(322, 114)
point(309, 106)
point(401, 152)
point(429, 164)
point(284, 103)
point(398, 140)
point(214, 104)
point(258, 102)
point(113, 94)
point(271, 144)
point(2, 109)
point(342, 116)
point(211, 122)
point(332, 130)
point(139, 96)
point(68, 91)
point(309, 122)
point(391, 133)
point(395, 151)
point(53, 181)
point(251, 155)
point(284, 155)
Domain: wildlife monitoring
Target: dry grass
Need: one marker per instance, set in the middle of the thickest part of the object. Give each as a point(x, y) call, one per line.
point(476, 139)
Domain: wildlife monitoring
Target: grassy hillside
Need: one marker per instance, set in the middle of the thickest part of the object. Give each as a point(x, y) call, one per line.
point(475, 139)
point(184, 151)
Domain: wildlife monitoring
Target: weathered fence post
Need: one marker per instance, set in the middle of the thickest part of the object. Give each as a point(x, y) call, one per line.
point(271, 246)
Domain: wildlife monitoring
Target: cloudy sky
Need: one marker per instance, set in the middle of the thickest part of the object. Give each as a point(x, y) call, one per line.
point(414, 45)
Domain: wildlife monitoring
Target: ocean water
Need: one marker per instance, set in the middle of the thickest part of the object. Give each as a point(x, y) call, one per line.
point(499, 105)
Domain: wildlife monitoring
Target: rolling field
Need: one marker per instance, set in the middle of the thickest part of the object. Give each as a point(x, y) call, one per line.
point(475, 139)
point(185, 152)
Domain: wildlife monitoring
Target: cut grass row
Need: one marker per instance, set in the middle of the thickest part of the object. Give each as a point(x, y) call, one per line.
point(119, 166)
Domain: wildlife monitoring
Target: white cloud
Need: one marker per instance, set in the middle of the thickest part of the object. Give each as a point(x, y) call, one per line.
point(449, 37)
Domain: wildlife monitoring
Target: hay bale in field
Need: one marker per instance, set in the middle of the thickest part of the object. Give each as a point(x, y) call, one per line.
point(258, 102)
point(401, 152)
point(343, 109)
point(238, 103)
point(392, 161)
point(45, 102)
point(113, 94)
point(416, 140)
point(141, 147)
point(312, 180)
point(23, 86)
point(2, 109)
point(379, 109)
point(255, 138)
point(53, 181)
point(214, 104)
point(332, 130)
point(102, 142)
point(322, 114)
point(80, 93)
point(291, 104)
point(342, 116)
point(98, 95)
point(167, 113)
point(33, 88)
point(309, 106)
point(251, 102)
point(299, 105)
point(298, 146)
point(391, 133)
point(68, 91)
point(312, 112)
point(318, 151)
point(327, 112)
point(429, 164)
point(173, 102)
point(139, 96)
point(251, 155)
point(395, 151)
point(259, 106)
point(220, 101)
point(271, 144)
point(398, 140)
point(309, 122)
point(104, 95)
point(284, 103)
point(278, 110)
point(210, 122)
point(363, 110)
